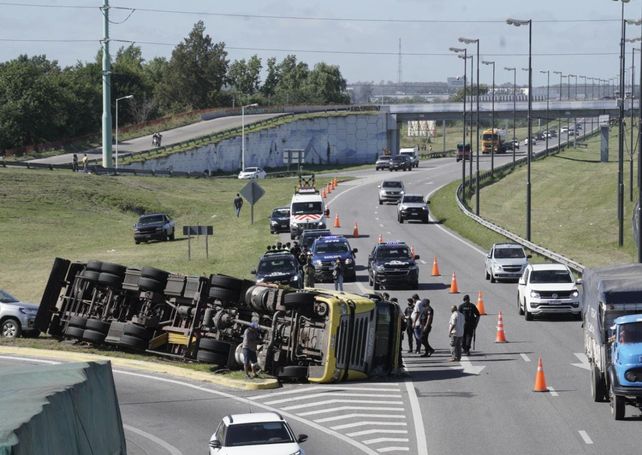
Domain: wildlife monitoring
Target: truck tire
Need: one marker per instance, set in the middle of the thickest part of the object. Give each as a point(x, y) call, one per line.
point(598, 386)
point(301, 302)
point(225, 295)
point(155, 274)
point(114, 269)
point(136, 331)
point(97, 325)
point(150, 284)
point(74, 332)
point(96, 266)
point(215, 346)
point(292, 372)
point(211, 357)
point(109, 279)
point(618, 403)
point(77, 321)
point(227, 282)
point(132, 342)
point(90, 275)
point(93, 336)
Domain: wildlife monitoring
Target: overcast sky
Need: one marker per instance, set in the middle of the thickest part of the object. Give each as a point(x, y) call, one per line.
point(358, 42)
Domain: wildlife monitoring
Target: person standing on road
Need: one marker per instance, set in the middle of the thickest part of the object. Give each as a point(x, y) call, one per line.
point(337, 274)
point(425, 320)
point(251, 340)
point(471, 319)
point(456, 333)
point(308, 270)
point(238, 203)
point(84, 161)
point(416, 317)
point(407, 312)
point(74, 163)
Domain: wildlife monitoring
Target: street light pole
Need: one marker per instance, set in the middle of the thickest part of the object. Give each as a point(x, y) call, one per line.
point(548, 87)
point(463, 160)
point(243, 133)
point(492, 121)
point(559, 119)
point(518, 23)
point(514, 70)
point(117, 100)
point(633, 49)
point(620, 161)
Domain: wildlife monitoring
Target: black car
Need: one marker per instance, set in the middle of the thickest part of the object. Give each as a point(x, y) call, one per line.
point(400, 163)
point(280, 267)
point(392, 264)
point(155, 226)
point(280, 220)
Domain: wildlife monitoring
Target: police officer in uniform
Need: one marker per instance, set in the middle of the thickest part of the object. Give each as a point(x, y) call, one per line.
point(471, 319)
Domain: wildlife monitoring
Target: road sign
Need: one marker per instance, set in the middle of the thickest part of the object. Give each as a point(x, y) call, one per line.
point(252, 192)
point(189, 231)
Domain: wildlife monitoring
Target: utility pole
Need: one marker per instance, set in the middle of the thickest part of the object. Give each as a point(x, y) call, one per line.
point(106, 88)
point(399, 64)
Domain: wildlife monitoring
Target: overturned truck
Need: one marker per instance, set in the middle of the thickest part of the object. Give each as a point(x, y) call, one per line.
point(318, 334)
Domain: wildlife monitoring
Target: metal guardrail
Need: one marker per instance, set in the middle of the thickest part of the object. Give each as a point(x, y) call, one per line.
point(485, 177)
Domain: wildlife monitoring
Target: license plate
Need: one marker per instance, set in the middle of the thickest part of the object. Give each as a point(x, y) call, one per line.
point(554, 302)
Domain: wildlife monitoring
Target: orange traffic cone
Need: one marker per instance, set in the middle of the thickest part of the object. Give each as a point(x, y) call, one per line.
point(323, 194)
point(435, 267)
point(540, 380)
point(380, 239)
point(480, 304)
point(334, 182)
point(501, 337)
point(337, 223)
point(355, 231)
point(328, 188)
point(453, 285)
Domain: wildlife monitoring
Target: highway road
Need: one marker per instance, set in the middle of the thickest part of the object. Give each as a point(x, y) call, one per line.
point(170, 137)
point(483, 404)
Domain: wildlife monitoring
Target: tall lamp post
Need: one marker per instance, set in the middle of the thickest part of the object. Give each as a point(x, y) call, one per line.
point(128, 97)
point(548, 97)
point(243, 132)
point(492, 121)
point(475, 41)
point(463, 144)
point(620, 149)
point(518, 23)
point(633, 49)
point(514, 70)
point(559, 119)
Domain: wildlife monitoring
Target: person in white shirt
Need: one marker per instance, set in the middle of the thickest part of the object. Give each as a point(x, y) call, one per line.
point(456, 333)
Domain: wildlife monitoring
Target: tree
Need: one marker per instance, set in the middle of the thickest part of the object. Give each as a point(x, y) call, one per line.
point(244, 76)
point(292, 79)
point(195, 73)
point(326, 85)
point(272, 79)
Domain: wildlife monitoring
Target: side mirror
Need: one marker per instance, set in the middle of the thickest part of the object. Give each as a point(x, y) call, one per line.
point(578, 281)
point(521, 282)
point(428, 201)
point(355, 250)
point(253, 272)
point(215, 444)
point(529, 256)
point(417, 257)
point(489, 256)
point(302, 438)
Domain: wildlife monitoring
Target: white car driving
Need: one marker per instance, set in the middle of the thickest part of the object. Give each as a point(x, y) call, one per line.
point(505, 261)
point(264, 433)
point(252, 173)
point(548, 289)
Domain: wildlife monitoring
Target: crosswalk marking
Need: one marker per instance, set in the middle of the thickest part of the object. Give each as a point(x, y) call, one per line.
point(333, 394)
point(326, 402)
point(376, 431)
point(351, 408)
point(353, 416)
point(369, 422)
point(393, 449)
point(306, 389)
point(380, 440)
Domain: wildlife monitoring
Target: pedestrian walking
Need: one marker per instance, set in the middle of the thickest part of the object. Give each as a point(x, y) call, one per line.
point(416, 317)
point(84, 161)
point(337, 274)
point(74, 163)
point(251, 340)
point(456, 333)
point(471, 319)
point(238, 203)
point(425, 319)
point(308, 270)
point(407, 312)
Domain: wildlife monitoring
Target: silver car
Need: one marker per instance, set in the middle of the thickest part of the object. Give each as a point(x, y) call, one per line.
point(390, 191)
point(412, 207)
point(505, 261)
point(16, 317)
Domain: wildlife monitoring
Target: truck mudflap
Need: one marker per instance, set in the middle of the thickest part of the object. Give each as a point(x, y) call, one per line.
point(52, 292)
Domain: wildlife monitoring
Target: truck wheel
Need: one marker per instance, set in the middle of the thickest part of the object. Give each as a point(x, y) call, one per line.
point(11, 328)
point(150, 284)
point(74, 332)
point(215, 346)
point(114, 269)
point(136, 331)
point(133, 342)
point(225, 295)
point(292, 372)
point(155, 274)
point(520, 310)
point(618, 402)
point(90, 275)
point(77, 321)
point(97, 325)
point(211, 357)
point(598, 386)
point(227, 282)
point(93, 337)
point(96, 266)
point(109, 279)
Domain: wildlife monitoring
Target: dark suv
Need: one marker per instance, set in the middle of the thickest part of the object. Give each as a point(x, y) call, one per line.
point(400, 163)
point(280, 220)
point(392, 264)
point(281, 267)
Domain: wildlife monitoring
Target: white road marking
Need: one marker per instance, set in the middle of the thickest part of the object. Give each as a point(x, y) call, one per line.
point(359, 414)
point(326, 402)
point(158, 441)
point(525, 357)
point(376, 431)
point(29, 359)
point(422, 447)
point(380, 440)
point(467, 367)
point(422, 261)
point(553, 392)
point(393, 449)
point(368, 422)
point(307, 389)
point(584, 361)
point(350, 408)
point(587, 439)
point(332, 394)
point(380, 225)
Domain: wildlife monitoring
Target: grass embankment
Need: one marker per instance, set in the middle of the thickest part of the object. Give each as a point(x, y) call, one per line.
point(574, 206)
point(44, 214)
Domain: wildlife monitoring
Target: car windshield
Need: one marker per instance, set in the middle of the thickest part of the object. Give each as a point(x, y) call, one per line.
point(551, 276)
point(151, 219)
point(309, 238)
point(391, 185)
point(413, 199)
point(509, 253)
point(331, 247)
point(250, 169)
point(398, 158)
point(276, 265)
point(5, 297)
point(302, 208)
point(246, 434)
point(280, 213)
point(393, 253)
point(384, 157)
point(631, 333)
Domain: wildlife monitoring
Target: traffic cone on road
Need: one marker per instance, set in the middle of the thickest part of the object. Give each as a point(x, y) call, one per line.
point(334, 182)
point(337, 223)
point(328, 188)
point(380, 239)
point(323, 194)
point(501, 336)
point(355, 231)
point(453, 285)
point(435, 267)
point(480, 304)
point(540, 379)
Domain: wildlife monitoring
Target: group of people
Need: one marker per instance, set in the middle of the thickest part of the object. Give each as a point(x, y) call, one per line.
point(84, 162)
point(418, 320)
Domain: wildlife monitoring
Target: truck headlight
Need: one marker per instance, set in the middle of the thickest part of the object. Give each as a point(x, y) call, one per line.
point(534, 295)
point(630, 376)
point(575, 293)
point(273, 223)
point(322, 224)
point(348, 261)
point(497, 268)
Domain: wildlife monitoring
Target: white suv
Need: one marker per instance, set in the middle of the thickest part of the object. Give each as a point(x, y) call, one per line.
point(16, 317)
point(505, 261)
point(391, 191)
point(260, 433)
point(548, 289)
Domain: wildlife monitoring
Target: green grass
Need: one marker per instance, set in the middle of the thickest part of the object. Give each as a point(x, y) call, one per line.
point(44, 214)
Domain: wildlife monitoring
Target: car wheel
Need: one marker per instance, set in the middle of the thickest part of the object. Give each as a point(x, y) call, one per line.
point(370, 283)
point(74, 332)
point(617, 405)
point(400, 219)
point(487, 275)
point(426, 220)
point(376, 285)
point(598, 386)
point(136, 331)
point(133, 342)
point(292, 372)
point(97, 325)
point(415, 285)
point(11, 328)
point(520, 310)
point(527, 314)
point(137, 242)
point(172, 236)
point(492, 278)
point(93, 336)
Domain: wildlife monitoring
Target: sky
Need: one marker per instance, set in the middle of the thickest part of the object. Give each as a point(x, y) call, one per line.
point(572, 36)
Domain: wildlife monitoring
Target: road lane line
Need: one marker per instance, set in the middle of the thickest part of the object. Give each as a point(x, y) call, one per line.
point(158, 441)
point(376, 431)
point(423, 262)
point(380, 440)
point(307, 389)
point(350, 408)
point(360, 414)
point(553, 392)
point(584, 362)
point(587, 439)
point(326, 402)
point(345, 426)
point(420, 432)
point(393, 449)
point(332, 394)
point(525, 357)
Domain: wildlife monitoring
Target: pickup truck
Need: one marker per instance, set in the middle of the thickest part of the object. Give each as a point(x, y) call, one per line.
point(612, 306)
point(155, 226)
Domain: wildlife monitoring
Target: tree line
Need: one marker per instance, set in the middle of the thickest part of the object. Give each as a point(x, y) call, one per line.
point(42, 102)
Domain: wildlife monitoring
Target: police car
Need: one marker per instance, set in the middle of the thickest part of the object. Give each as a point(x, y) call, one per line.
point(279, 266)
point(326, 250)
point(392, 264)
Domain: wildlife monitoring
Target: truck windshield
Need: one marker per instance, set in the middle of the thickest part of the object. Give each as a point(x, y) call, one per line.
point(550, 276)
point(303, 208)
point(490, 137)
point(150, 219)
point(630, 333)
